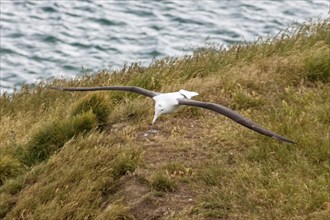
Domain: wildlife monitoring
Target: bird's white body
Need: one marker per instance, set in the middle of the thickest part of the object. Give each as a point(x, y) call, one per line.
point(168, 102)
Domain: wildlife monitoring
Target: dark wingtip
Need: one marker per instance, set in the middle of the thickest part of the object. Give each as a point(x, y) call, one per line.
point(291, 142)
point(285, 140)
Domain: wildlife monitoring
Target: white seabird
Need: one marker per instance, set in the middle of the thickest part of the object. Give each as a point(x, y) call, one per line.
point(166, 103)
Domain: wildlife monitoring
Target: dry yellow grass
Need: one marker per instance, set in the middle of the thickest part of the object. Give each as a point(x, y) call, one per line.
point(68, 155)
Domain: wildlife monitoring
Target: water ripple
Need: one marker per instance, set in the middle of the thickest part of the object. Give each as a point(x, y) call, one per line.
point(43, 39)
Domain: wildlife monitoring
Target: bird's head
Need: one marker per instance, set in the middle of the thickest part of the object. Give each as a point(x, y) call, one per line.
point(159, 110)
point(162, 108)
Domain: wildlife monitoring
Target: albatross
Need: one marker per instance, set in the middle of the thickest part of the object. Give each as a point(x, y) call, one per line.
point(166, 103)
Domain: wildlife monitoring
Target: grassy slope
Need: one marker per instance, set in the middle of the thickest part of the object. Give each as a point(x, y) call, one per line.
point(86, 155)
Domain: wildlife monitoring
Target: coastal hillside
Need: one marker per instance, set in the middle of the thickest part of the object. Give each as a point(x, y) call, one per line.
point(95, 155)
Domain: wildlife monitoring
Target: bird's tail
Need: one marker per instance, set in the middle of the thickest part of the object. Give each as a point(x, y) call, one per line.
point(188, 94)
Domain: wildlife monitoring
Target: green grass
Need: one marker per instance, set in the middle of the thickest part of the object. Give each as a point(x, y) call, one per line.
point(126, 162)
point(97, 104)
point(86, 155)
point(51, 137)
point(162, 182)
point(9, 168)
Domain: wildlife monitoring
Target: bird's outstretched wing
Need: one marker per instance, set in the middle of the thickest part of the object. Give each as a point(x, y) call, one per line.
point(134, 89)
point(234, 116)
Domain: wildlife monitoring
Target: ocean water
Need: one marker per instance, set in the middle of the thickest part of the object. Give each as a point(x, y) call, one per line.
point(65, 38)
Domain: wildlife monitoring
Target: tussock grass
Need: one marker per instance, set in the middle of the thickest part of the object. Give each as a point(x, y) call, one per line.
point(318, 66)
point(162, 182)
point(126, 162)
point(9, 168)
point(51, 137)
point(96, 104)
point(116, 212)
point(75, 155)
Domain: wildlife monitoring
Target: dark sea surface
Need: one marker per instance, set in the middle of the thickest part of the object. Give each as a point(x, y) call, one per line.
point(45, 39)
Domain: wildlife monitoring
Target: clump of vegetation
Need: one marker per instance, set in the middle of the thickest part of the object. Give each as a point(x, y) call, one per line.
point(51, 137)
point(9, 168)
point(217, 206)
point(162, 182)
point(126, 162)
point(211, 175)
point(96, 104)
point(57, 161)
point(14, 185)
point(6, 204)
point(116, 212)
point(244, 101)
point(90, 112)
point(318, 66)
point(177, 169)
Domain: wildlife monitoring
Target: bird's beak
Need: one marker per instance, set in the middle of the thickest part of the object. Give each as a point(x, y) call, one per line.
point(155, 117)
